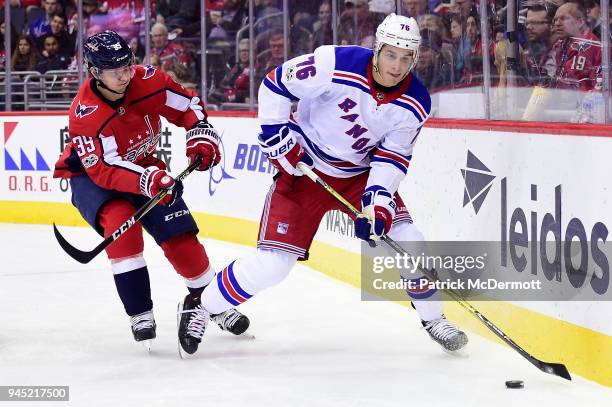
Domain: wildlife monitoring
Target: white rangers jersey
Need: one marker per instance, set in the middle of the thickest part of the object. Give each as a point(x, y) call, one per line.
point(342, 120)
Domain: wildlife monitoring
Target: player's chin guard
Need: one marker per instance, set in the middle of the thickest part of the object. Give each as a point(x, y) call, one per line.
point(107, 50)
point(398, 31)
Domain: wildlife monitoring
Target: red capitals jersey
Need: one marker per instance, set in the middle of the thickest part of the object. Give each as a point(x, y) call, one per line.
point(577, 61)
point(113, 143)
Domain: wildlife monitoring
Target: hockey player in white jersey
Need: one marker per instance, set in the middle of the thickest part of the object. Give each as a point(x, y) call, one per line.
point(358, 118)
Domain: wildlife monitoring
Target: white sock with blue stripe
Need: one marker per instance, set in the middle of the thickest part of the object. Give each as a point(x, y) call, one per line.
point(243, 278)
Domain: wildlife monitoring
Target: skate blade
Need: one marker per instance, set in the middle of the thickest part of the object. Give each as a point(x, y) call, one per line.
point(245, 336)
point(179, 309)
point(146, 344)
point(459, 353)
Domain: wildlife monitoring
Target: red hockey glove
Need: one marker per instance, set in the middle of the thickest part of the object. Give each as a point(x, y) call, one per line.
point(203, 140)
point(154, 180)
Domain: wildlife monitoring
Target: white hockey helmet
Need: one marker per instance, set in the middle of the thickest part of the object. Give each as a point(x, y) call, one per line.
point(399, 31)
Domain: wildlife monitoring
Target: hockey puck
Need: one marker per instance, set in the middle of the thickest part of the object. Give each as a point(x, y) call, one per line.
point(515, 384)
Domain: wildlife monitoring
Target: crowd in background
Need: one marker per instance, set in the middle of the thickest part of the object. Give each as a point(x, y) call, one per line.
point(559, 42)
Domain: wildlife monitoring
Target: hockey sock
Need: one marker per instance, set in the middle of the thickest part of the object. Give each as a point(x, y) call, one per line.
point(425, 300)
point(132, 282)
point(245, 277)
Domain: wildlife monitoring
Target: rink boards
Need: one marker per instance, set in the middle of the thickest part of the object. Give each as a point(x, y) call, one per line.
point(509, 171)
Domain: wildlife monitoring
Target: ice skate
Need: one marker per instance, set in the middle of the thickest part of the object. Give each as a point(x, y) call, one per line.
point(192, 322)
point(143, 328)
point(445, 334)
point(232, 321)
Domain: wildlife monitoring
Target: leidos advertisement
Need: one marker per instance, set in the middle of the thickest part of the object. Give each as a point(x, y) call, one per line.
point(540, 201)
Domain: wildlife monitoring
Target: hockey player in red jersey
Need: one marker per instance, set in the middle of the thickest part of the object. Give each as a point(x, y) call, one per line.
point(113, 169)
point(358, 117)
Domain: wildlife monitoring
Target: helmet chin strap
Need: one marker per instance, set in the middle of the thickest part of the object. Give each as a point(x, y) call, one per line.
point(103, 85)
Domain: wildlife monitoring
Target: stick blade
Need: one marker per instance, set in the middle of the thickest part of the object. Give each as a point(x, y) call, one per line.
point(556, 369)
point(78, 255)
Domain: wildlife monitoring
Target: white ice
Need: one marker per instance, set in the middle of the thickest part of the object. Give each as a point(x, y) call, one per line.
point(317, 344)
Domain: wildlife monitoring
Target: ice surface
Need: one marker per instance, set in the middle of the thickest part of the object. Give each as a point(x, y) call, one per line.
point(317, 344)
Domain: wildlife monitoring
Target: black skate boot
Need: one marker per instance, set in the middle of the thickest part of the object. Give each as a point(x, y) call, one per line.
point(193, 320)
point(231, 321)
point(143, 328)
point(445, 334)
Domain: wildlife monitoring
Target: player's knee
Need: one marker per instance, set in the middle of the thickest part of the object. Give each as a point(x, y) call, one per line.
point(111, 216)
point(187, 256)
point(268, 268)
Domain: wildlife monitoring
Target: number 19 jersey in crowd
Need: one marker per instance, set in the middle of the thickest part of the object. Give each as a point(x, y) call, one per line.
point(343, 121)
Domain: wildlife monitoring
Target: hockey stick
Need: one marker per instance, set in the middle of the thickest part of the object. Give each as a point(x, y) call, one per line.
point(557, 369)
point(85, 257)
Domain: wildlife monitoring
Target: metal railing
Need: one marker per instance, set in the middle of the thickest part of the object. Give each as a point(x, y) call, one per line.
point(32, 91)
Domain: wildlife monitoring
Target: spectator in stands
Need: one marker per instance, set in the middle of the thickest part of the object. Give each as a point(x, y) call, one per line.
point(42, 26)
point(180, 74)
point(234, 15)
point(456, 30)
point(322, 28)
point(381, 8)
point(217, 32)
point(263, 9)
point(177, 13)
point(14, 36)
point(25, 55)
point(90, 8)
point(577, 54)
point(356, 22)
point(594, 18)
point(431, 68)
point(51, 59)
point(271, 58)
point(537, 55)
point(434, 23)
point(169, 53)
point(235, 84)
point(464, 8)
point(468, 65)
point(414, 8)
point(66, 41)
point(138, 50)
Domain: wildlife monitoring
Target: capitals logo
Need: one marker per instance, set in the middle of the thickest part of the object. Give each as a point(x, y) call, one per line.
point(149, 71)
point(82, 110)
point(581, 46)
